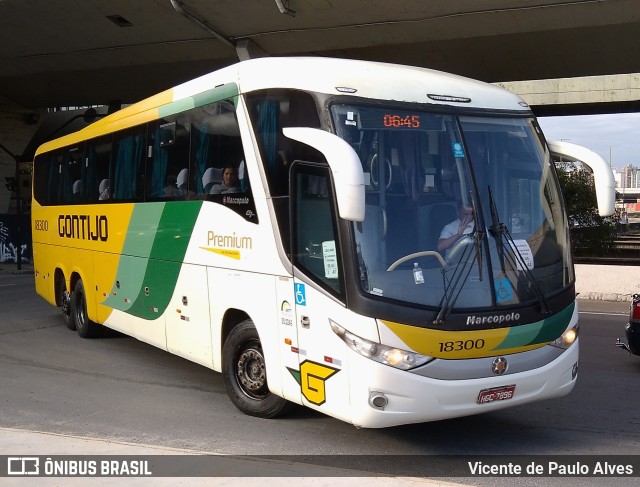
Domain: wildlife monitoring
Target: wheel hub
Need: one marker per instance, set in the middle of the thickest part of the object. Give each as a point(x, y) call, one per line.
point(251, 370)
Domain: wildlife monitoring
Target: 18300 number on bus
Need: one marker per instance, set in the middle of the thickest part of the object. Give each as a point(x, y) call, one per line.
point(461, 345)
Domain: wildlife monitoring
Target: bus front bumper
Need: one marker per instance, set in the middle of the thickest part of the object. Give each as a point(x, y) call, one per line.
point(383, 396)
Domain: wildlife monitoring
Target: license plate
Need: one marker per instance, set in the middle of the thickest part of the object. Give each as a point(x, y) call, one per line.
point(501, 393)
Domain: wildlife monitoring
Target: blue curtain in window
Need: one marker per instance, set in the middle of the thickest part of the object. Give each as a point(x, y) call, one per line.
point(66, 183)
point(159, 167)
point(202, 146)
point(268, 111)
point(127, 167)
point(53, 179)
point(88, 175)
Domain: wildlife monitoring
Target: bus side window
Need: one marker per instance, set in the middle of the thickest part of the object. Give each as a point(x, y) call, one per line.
point(127, 178)
point(97, 162)
point(56, 178)
point(270, 112)
point(216, 150)
point(52, 164)
point(215, 144)
point(315, 235)
point(77, 173)
point(42, 175)
point(168, 160)
point(64, 180)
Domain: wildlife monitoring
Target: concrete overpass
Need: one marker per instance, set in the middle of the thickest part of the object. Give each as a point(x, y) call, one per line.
point(72, 52)
point(562, 56)
point(79, 52)
point(611, 93)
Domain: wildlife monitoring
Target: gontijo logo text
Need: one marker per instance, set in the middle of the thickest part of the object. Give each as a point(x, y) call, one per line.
point(84, 227)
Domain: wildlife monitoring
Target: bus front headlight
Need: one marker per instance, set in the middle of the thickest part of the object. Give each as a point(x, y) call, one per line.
point(566, 339)
point(395, 357)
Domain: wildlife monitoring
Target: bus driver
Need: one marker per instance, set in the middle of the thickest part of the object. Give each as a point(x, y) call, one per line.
point(452, 232)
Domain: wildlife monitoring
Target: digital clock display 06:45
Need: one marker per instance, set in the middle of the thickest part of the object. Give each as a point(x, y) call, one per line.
point(401, 121)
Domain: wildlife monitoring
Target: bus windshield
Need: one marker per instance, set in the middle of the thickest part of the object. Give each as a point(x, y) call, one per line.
point(461, 211)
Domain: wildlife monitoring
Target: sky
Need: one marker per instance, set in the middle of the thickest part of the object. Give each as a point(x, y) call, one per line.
point(615, 137)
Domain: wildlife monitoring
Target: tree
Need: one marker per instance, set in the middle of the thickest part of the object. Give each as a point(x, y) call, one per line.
point(592, 235)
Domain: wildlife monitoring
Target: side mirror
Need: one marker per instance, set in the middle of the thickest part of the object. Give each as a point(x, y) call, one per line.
point(345, 167)
point(602, 173)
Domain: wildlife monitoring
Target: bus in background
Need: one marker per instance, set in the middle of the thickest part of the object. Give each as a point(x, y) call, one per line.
point(281, 221)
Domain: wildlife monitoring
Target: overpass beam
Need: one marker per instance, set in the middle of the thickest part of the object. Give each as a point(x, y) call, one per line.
point(595, 94)
point(247, 49)
point(179, 6)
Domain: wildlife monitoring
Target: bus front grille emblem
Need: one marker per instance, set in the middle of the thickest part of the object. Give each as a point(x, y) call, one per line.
point(499, 365)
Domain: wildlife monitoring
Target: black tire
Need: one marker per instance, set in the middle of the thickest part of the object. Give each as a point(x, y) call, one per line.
point(84, 326)
point(65, 300)
point(244, 374)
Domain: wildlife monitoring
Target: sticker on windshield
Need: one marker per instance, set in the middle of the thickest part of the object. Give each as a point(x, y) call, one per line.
point(458, 150)
point(522, 252)
point(350, 120)
point(330, 259)
point(503, 290)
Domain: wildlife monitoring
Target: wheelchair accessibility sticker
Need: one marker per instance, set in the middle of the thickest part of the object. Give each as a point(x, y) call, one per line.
point(301, 295)
point(503, 290)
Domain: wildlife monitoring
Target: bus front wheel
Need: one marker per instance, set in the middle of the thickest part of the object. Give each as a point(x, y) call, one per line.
point(245, 374)
point(84, 326)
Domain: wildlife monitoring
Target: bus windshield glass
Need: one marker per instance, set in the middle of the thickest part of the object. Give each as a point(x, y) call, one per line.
point(461, 211)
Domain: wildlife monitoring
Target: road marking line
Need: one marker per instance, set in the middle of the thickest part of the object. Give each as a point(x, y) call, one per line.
point(602, 313)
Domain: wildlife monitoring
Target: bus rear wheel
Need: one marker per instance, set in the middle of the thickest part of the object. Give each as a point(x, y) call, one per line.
point(84, 326)
point(245, 374)
point(65, 299)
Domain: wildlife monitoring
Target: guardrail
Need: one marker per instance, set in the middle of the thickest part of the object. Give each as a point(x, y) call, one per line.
point(625, 251)
point(627, 242)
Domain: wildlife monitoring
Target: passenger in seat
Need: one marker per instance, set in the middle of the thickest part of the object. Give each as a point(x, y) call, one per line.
point(104, 190)
point(230, 182)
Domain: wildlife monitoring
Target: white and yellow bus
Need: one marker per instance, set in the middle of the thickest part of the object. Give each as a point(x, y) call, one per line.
point(281, 221)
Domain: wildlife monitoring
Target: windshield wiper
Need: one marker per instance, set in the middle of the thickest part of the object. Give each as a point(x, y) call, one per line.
point(498, 231)
point(479, 234)
point(453, 290)
point(448, 298)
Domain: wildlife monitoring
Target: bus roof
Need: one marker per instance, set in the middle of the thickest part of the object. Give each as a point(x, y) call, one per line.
point(375, 80)
point(364, 79)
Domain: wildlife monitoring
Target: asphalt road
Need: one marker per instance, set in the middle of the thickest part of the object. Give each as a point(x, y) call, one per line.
point(117, 388)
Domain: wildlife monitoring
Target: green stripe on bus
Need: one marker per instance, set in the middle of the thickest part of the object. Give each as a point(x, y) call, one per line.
point(224, 92)
point(145, 219)
point(125, 289)
point(543, 331)
point(132, 264)
point(520, 336)
point(174, 230)
point(165, 259)
point(556, 325)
